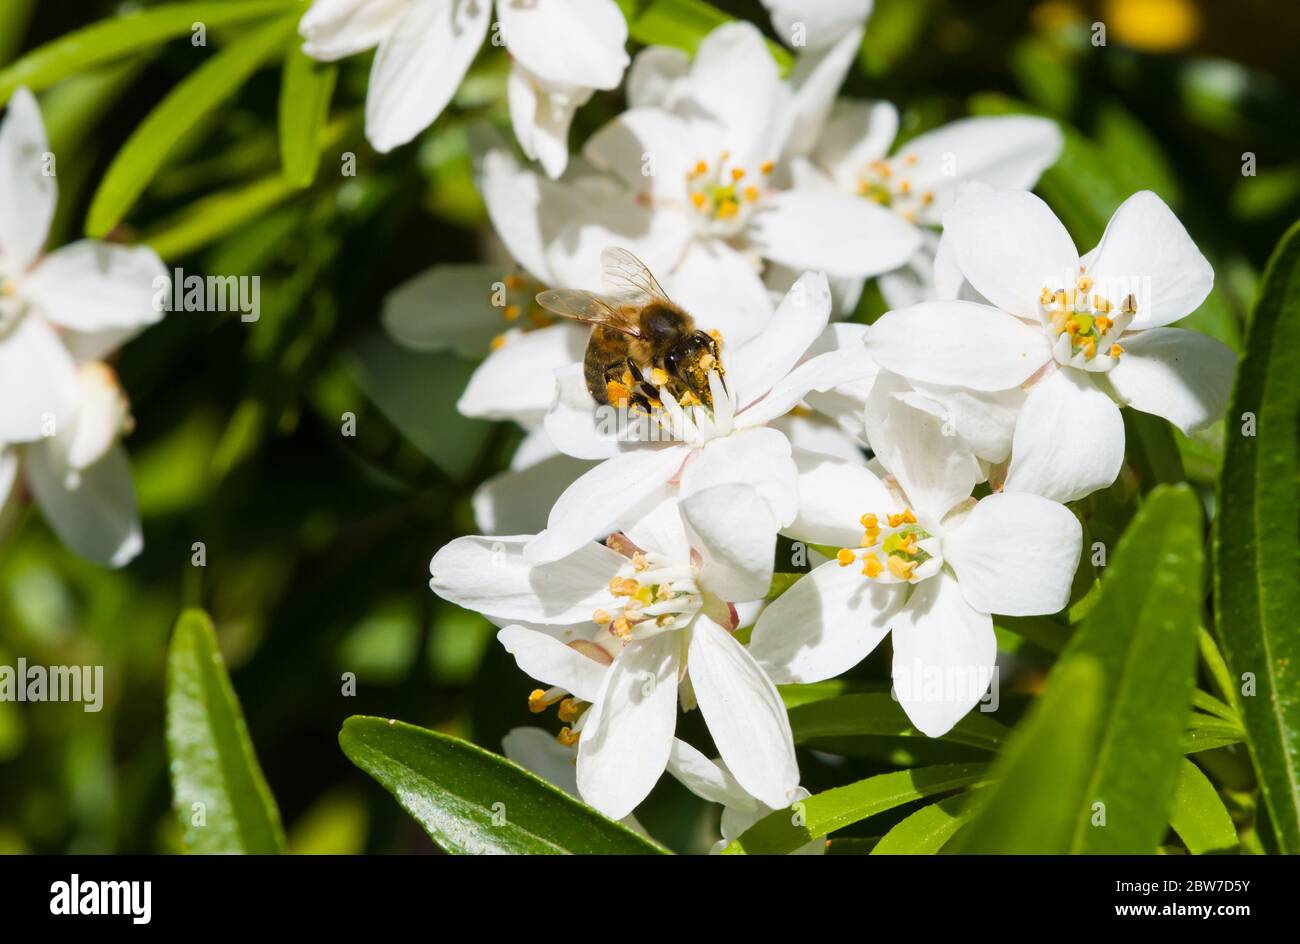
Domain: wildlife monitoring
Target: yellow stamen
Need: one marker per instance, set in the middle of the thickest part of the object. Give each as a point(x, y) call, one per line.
point(1089, 349)
point(737, 173)
point(1116, 350)
point(1045, 297)
point(927, 198)
point(510, 312)
point(621, 627)
point(869, 521)
point(845, 557)
point(639, 562)
point(568, 710)
point(900, 568)
point(601, 617)
point(699, 200)
point(498, 342)
point(751, 193)
point(1103, 324)
point(659, 377)
point(904, 187)
point(515, 281)
point(727, 209)
point(567, 737)
point(1084, 283)
point(701, 168)
point(871, 566)
point(767, 167)
point(538, 702)
point(911, 160)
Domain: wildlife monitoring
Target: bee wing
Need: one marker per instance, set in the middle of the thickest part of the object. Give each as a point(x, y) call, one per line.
point(628, 280)
point(589, 308)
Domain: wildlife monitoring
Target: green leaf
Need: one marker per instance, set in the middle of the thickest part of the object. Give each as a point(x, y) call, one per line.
point(927, 830)
point(305, 94)
point(878, 714)
point(783, 831)
point(471, 801)
point(683, 23)
point(109, 40)
point(1198, 814)
point(184, 107)
point(212, 758)
point(1041, 776)
point(1151, 449)
point(1143, 634)
point(1257, 539)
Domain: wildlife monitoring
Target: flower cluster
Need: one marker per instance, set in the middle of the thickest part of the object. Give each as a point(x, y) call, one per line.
point(921, 463)
point(62, 411)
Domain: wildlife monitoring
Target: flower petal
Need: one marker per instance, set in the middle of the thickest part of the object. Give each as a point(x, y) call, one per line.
point(1182, 375)
point(541, 115)
point(96, 286)
point(1015, 554)
point(944, 655)
point(628, 733)
point(517, 380)
point(732, 529)
point(28, 188)
point(958, 343)
point(833, 496)
point(706, 779)
point(856, 134)
point(38, 382)
point(491, 576)
point(745, 715)
point(722, 290)
point(756, 457)
point(1010, 246)
point(655, 76)
point(817, 374)
point(516, 501)
point(828, 622)
point(94, 513)
point(548, 660)
point(825, 231)
point(594, 504)
point(570, 42)
point(335, 29)
point(760, 364)
point(418, 67)
point(1069, 440)
point(816, 79)
point(813, 24)
point(1145, 250)
point(447, 306)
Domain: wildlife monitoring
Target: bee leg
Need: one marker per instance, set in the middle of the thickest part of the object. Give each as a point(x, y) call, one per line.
point(642, 393)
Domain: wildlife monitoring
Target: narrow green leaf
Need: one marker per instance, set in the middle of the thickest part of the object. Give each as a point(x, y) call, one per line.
point(14, 18)
point(878, 714)
point(1198, 814)
point(786, 830)
point(1143, 634)
point(471, 801)
point(1257, 540)
point(1042, 775)
point(305, 94)
point(112, 39)
point(1205, 733)
point(218, 790)
point(184, 107)
point(927, 830)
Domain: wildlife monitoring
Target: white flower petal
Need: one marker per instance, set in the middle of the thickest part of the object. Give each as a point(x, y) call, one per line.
point(824, 230)
point(95, 513)
point(1145, 250)
point(816, 79)
point(706, 779)
point(548, 660)
point(760, 364)
point(28, 187)
point(1069, 440)
point(659, 238)
point(815, 23)
point(336, 29)
point(1015, 554)
point(856, 134)
point(756, 457)
point(576, 424)
point(944, 655)
point(833, 496)
point(958, 343)
point(95, 286)
point(649, 149)
point(723, 292)
point(816, 434)
point(595, 503)
point(541, 114)
point(828, 622)
point(1010, 246)
point(1182, 375)
point(745, 715)
point(734, 533)
point(38, 382)
point(419, 65)
point(491, 576)
point(516, 501)
point(656, 74)
point(817, 374)
point(985, 420)
point(447, 306)
point(734, 81)
point(573, 42)
point(519, 203)
point(628, 733)
point(517, 380)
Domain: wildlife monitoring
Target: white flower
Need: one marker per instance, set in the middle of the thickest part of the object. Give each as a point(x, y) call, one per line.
point(621, 632)
point(80, 477)
point(1078, 333)
point(77, 302)
point(561, 50)
point(816, 23)
point(705, 146)
point(924, 178)
point(695, 448)
point(918, 557)
point(711, 780)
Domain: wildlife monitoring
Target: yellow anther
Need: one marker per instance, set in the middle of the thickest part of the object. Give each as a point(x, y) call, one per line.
point(908, 215)
point(902, 569)
point(911, 160)
point(515, 281)
point(689, 399)
point(737, 173)
point(869, 521)
point(869, 537)
point(601, 617)
point(727, 209)
point(927, 198)
point(1045, 297)
point(621, 627)
point(699, 200)
point(624, 586)
point(510, 312)
point(880, 168)
point(567, 737)
point(1089, 349)
point(666, 620)
point(845, 557)
point(864, 188)
point(568, 710)
point(905, 187)
point(701, 168)
point(751, 193)
point(498, 342)
point(871, 566)
point(659, 377)
point(1072, 328)
point(1116, 350)
point(903, 517)
point(767, 167)
point(1084, 283)
point(639, 562)
point(537, 702)
point(1103, 324)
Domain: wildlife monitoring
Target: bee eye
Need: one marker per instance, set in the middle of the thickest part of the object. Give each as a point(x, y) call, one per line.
point(670, 361)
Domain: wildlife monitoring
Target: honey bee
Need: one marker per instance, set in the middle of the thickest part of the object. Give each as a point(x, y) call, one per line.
point(640, 340)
